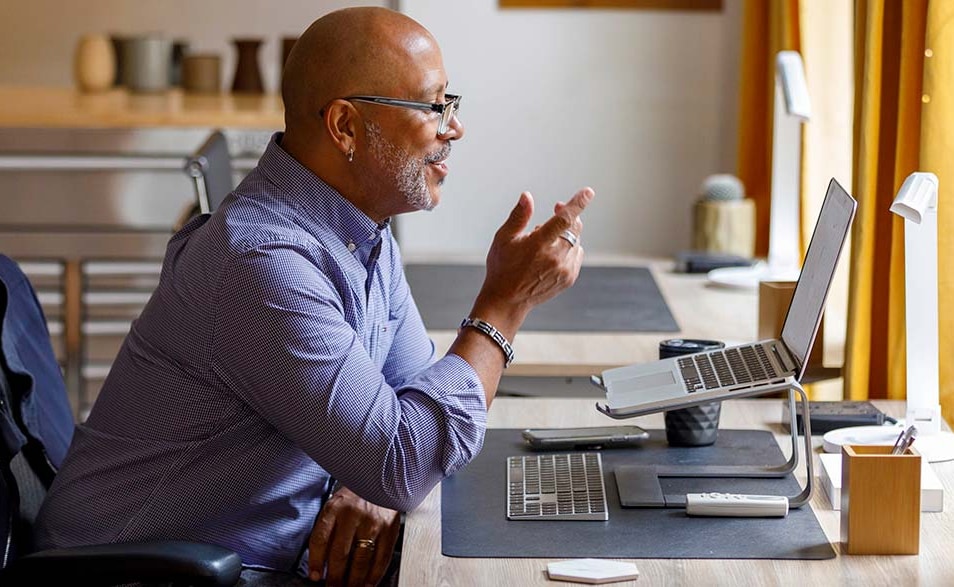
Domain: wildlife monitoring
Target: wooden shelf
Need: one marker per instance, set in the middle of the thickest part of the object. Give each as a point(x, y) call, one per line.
point(57, 107)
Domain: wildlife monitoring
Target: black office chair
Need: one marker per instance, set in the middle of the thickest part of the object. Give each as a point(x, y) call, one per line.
point(211, 171)
point(26, 473)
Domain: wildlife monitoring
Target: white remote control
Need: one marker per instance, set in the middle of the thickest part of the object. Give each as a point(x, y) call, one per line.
point(734, 505)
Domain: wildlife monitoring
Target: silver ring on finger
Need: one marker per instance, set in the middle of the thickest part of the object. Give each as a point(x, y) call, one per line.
point(569, 237)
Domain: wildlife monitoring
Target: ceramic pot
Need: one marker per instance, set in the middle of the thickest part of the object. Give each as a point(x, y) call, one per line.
point(202, 73)
point(179, 49)
point(287, 44)
point(117, 42)
point(146, 63)
point(94, 63)
point(248, 76)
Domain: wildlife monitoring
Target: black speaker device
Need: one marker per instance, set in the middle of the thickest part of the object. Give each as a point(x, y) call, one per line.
point(703, 262)
point(833, 415)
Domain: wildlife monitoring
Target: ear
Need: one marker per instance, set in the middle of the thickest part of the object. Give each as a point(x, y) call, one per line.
point(341, 120)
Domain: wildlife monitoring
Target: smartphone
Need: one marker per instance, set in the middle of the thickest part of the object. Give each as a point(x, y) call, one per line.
point(584, 438)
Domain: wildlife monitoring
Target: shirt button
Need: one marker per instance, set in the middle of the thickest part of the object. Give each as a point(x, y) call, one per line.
point(352, 246)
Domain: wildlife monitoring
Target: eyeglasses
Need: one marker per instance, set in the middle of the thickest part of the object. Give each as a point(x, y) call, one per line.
point(447, 110)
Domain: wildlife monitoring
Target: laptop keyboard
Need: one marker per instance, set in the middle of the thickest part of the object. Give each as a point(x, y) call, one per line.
point(556, 487)
point(726, 367)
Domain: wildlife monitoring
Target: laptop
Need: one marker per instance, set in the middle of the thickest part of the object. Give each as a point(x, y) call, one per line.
point(743, 370)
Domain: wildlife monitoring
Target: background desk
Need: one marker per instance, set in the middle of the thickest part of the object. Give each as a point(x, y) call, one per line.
point(700, 310)
point(423, 564)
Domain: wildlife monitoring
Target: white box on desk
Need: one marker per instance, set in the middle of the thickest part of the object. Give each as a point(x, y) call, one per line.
point(932, 492)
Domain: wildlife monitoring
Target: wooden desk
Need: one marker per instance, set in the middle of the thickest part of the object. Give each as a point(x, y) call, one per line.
point(702, 311)
point(423, 564)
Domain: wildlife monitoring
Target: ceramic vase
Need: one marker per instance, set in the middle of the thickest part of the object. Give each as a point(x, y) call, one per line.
point(94, 63)
point(248, 76)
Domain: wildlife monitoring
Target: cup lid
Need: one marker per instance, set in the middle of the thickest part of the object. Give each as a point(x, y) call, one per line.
point(690, 345)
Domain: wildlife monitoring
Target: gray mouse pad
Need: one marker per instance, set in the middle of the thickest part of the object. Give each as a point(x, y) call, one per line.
point(603, 299)
point(474, 521)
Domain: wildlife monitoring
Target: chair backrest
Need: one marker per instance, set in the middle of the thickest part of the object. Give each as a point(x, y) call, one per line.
point(211, 170)
point(21, 489)
point(36, 423)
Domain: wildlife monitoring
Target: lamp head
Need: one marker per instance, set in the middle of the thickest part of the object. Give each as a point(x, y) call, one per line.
point(790, 72)
point(917, 195)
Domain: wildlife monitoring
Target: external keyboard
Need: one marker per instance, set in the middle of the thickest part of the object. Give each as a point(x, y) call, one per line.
point(556, 487)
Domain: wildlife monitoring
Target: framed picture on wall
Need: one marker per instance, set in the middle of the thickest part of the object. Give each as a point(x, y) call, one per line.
point(646, 4)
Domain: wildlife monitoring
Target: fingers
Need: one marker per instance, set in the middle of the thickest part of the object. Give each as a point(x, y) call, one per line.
point(566, 215)
point(363, 555)
point(580, 201)
point(319, 542)
point(339, 553)
point(385, 550)
point(519, 217)
point(345, 542)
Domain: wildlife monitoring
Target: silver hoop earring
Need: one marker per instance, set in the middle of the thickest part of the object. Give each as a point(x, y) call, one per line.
point(350, 154)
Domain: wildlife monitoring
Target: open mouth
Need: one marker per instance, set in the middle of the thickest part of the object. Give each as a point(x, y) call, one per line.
point(439, 162)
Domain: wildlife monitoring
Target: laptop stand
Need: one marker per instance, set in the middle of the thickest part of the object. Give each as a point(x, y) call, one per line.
point(639, 484)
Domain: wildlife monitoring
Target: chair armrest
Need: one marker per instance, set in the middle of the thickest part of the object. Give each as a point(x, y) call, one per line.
point(179, 562)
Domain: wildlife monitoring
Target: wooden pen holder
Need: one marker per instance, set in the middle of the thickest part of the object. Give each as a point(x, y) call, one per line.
point(880, 500)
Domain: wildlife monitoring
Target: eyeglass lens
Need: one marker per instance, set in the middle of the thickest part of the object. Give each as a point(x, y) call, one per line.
point(449, 112)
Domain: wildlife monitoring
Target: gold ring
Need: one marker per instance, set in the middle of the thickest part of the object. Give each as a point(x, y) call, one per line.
point(569, 237)
point(366, 543)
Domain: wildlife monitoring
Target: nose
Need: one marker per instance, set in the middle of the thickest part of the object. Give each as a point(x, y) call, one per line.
point(455, 130)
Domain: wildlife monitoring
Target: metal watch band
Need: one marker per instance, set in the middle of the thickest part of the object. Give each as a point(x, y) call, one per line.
point(494, 334)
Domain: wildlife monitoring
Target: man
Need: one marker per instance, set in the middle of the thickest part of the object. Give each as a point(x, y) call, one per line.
point(282, 347)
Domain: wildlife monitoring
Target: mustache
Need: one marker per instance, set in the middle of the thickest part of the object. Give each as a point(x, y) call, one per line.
point(444, 153)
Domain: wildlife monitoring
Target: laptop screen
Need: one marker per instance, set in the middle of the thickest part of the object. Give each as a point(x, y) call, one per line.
point(818, 270)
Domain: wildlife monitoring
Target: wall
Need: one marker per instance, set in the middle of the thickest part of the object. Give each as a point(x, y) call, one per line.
point(37, 37)
point(638, 104)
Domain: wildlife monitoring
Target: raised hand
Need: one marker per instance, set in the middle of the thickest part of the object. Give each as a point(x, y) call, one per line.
point(525, 269)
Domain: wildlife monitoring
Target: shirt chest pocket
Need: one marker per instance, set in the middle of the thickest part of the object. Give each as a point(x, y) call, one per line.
point(382, 336)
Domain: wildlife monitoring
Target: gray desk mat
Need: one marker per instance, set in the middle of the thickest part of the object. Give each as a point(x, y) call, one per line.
point(474, 522)
point(603, 299)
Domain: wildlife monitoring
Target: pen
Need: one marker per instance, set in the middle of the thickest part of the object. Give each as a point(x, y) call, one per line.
point(909, 441)
point(904, 440)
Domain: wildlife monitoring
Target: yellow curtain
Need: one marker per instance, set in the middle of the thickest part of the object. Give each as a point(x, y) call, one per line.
point(937, 155)
point(768, 27)
point(904, 114)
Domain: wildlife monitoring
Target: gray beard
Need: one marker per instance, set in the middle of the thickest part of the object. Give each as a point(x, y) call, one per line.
point(408, 172)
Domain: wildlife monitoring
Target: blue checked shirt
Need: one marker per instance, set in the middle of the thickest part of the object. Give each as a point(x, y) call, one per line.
point(282, 346)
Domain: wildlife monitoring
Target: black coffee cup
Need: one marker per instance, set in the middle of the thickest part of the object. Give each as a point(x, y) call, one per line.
point(696, 425)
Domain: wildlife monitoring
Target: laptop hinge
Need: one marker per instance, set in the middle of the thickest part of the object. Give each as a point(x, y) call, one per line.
point(788, 362)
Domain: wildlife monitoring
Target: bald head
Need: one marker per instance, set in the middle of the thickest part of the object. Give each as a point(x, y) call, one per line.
point(383, 156)
point(364, 50)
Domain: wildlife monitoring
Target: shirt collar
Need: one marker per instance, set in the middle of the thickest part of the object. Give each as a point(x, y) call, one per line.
point(321, 203)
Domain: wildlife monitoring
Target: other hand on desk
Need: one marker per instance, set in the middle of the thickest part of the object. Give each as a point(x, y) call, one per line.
point(354, 538)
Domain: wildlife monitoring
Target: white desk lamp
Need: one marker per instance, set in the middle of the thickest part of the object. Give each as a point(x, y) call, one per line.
point(917, 204)
point(792, 109)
